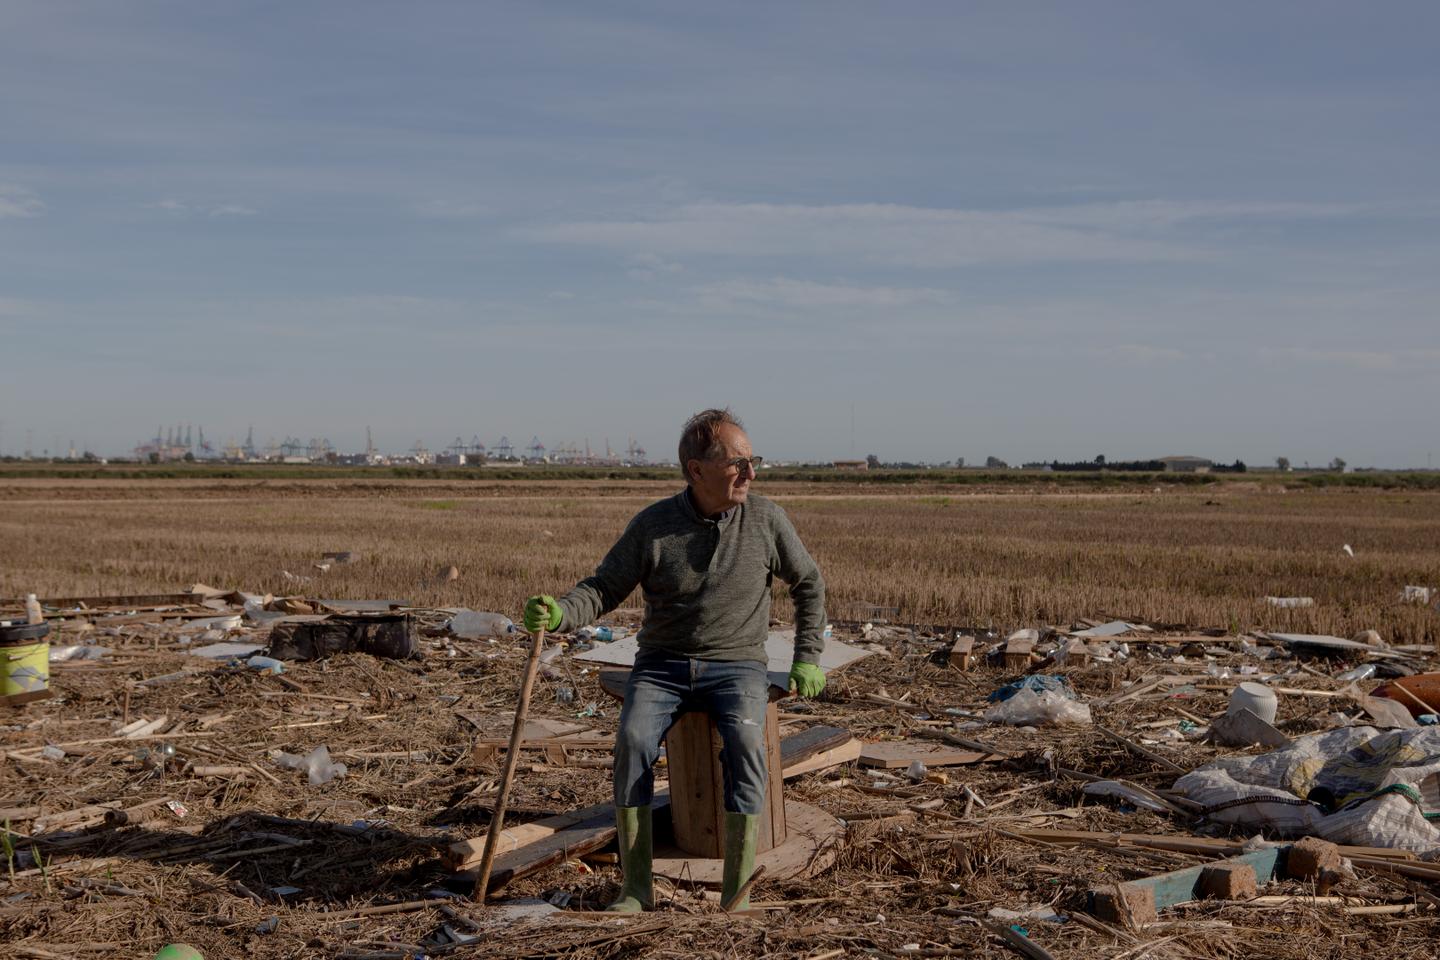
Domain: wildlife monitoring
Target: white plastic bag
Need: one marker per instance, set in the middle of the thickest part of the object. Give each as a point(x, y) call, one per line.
point(1030, 709)
point(317, 764)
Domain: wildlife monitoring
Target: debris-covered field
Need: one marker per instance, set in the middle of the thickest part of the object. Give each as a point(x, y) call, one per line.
point(163, 796)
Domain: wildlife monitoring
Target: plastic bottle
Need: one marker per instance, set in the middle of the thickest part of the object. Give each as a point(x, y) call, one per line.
point(33, 613)
point(476, 624)
point(265, 664)
point(602, 634)
point(1363, 672)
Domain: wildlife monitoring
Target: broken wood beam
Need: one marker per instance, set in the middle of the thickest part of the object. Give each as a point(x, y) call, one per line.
point(1017, 655)
point(129, 601)
point(961, 651)
point(1141, 901)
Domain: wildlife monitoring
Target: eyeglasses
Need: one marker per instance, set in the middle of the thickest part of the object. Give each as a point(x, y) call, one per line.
point(739, 463)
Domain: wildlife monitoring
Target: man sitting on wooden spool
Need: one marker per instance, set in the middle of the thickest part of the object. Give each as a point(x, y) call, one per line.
point(705, 559)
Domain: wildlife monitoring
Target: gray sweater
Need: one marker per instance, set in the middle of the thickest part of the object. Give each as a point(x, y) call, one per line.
point(706, 582)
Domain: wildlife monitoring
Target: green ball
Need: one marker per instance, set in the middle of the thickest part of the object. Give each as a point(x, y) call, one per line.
point(179, 951)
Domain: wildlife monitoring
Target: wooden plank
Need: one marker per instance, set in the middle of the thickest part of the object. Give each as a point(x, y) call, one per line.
point(901, 753)
point(1141, 900)
point(585, 836)
point(1181, 844)
point(847, 752)
point(772, 824)
point(807, 743)
point(128, 601)
point(467, 853)
point(809, 847)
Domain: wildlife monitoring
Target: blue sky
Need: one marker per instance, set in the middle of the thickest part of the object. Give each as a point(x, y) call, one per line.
point(1028, 230)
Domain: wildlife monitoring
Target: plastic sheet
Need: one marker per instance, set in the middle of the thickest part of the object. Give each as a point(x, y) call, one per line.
point(1030, 709)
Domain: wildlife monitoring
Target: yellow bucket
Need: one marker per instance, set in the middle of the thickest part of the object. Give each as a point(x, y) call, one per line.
point(24, 662)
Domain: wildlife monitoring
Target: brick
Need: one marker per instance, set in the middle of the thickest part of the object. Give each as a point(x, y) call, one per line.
point(1229, 881)
point(1311, 857)
point(1125, 903)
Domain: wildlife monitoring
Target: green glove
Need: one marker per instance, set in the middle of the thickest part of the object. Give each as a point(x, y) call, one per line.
point(806, 679)
point(542, 612)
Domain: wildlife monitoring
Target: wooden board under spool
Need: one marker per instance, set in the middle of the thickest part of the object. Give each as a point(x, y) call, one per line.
point(810, 845)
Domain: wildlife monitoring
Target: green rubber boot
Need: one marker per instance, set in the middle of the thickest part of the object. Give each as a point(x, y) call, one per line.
point(742, 833)
point(637, 851)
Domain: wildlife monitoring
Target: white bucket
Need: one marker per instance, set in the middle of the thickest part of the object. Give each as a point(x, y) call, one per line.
point(1255, 697)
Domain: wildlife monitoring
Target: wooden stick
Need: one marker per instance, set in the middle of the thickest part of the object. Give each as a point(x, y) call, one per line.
point(1140, 751)
point(133, 815)
point(744, 891)
point(512, 757)
point(1424, 707)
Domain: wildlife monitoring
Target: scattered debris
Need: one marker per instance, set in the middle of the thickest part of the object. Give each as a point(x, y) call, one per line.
point(897, 748)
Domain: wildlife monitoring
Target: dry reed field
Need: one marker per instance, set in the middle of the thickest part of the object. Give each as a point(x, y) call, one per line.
point(262, 864)
point(1201, 557)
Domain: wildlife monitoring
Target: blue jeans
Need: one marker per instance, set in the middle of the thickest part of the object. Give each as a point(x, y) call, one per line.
point(661, 688)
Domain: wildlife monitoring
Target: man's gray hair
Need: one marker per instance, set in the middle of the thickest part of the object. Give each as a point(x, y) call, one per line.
point(700, 439)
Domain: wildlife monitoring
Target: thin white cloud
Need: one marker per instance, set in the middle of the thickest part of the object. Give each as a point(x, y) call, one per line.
point(809, 294)
point(649, 266)
point(1355, 359)
point(925, 236)
point(1139, 354)
point(231, 210)
point(452, 209)
point(180, 208)
point(18, 201)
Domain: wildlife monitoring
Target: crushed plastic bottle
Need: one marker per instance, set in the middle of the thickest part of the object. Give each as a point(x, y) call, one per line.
point(1363, 672)
point(565, 694)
